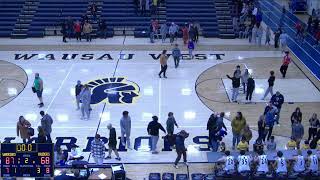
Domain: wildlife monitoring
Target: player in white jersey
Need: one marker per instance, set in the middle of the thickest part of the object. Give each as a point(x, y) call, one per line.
point(299, 163)
point(312, 161)
point(229, 162)
point(280, 164)
point(262, 161)
point(243, 162)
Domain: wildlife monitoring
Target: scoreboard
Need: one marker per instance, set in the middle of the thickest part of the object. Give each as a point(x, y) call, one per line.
point(26, 160)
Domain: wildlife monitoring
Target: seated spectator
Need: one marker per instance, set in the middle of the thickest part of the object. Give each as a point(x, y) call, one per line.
point(59, 156)
point(258, 146)
point(93, 10)
point(306, 145)
point(75, 153)
point(243, 145)
point(271, 144)
point(291, 145)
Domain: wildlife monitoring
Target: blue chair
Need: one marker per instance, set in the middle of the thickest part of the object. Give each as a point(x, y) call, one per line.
point(167, 176)
point(182, 177)
point(154, 176)
point(197, 176)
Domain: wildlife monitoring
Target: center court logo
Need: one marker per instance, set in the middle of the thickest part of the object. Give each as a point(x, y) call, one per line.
point(115, 90)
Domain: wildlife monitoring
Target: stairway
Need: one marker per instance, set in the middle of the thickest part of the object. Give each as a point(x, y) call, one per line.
point(94, 23)
point(24, 20)
point(224, 16)
point(161, 14)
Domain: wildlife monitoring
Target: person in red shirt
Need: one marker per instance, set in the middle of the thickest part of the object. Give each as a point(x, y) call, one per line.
point(185, 34)
point(77, 30)
point(285, 63)
point(298, 28)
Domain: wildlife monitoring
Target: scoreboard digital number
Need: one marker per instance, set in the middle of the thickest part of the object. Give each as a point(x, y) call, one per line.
point(26, 160)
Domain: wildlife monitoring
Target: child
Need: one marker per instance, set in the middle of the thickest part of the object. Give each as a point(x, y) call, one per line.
point(271, 144)
point(291, 145)
point(191, 48)
point(258, 146)
point(306, 145)
point(222, 147)
point(243, 145)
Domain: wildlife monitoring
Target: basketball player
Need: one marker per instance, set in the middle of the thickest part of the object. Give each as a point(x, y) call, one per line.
point(312, 162)
point(280, 164)
point(299, 163)
point(243, 162)
point(262, 163)
point(229, 163)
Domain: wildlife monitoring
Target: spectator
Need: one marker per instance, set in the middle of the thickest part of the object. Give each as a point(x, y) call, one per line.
point(151, 33)
point(69, 27)
point(180, 148)
point(22, 129)
point(41, 135)
point(271, 80)
point(314, 124)
point(268, 36)
point(93, 10)
point(97, 150)
point(270, 113)
point(298, 27)
point(247, 133)
point(309, 24)
point(192, 33)
point(64, 31)
point(103, 29)
point(235, 86)
point(271, 144)
point(87, 30)
point(164, 31)
point(243, 145)
point(254, 35)
point(292, 144)
point(77, 30)
point(297, 132)
point(153, 130)
point(85, 98)
point(46, 123)
point(112, 143)
point(250, 88)
point(196, 29)
point(237, 72)
point(238, 123)
point(155, 27)
point(220, 123)
point(59, 157)
point(191, 48)
point(38, 88)
point(163, 64)
point(277, 101)
point(171, 122)
point(185, 34)
point(212, 125)
point(176, 54)
point(143, 4)
point(283, 41)
point(173, 29)
point(125, 125)
point(262, 128)
point(306, 145)
point(276, 37)
point(78, 89)
point(285, 63)
point(244, 79)
point(259, 32)
point(296, 115)
point(258, 146)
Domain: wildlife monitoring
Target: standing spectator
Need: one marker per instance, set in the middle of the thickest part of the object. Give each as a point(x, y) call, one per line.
point(176, 54)
point(181, 148)
point(211, 127)
point(163, 63)
point(247, 133)
point(297, 132)
point(259, 32)
point(196, 29)
point(283, 40)
point(192, 33)
point(69, 27)
point(309, 24)
point(262, 128)
point(271, 80)
point(268, 36)
point(277, 101)
point(41, 135)
point(46, 124)
point(191, 48)
point(87, 29)
point(164, 31)
point(85, 98)
point(97, 150)
point(103, 29)
point(250, 88)
point(143, 4)
point(125, 125)
point(220, 123)
point(237, 72)
point(285, 63)
point(271, 144)
point(185, 34)
point(270, 114)
point(173, 29)
point(155, 27)
point(296, 115)
point(151, 33)
point(171, 122)
point(93, 10)
point(77, 30)
point(22, 129)
point(276, 37)
point(254, 34)
point(244, 79)
point(153, 130)
point(64, 31)
point(314, 125)
point(38, 88)
point(298, 27)
point(235, 87)
point(112, 143)
point(238, 123)
point(78, 89)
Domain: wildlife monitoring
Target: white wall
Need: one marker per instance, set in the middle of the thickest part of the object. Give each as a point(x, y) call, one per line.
point(313, 4)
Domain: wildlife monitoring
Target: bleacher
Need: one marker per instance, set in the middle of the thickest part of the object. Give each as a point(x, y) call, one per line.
point(198, 11)
point(9, 12)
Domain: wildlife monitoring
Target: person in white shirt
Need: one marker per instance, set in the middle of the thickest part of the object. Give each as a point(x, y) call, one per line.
point(280, 164)
point(299, 163)
point(229, 163)
point(312, 162)
point(243, 162)
point(262, 161)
